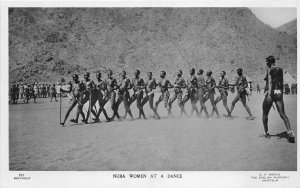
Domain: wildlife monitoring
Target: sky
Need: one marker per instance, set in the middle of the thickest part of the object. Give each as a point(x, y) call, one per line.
point(275, 16)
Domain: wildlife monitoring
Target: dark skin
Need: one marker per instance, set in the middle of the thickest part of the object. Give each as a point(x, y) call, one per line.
point(193, 96)
point(270, 97)
point(111, 86)
point(241, 94)
point(96, 95)
point(85, 97)
point(178, 86)
point(101, 100)
point(138, 84)
point(124, 97)
point(201, 92)
point(210, 92)
point(75, 98)
point(164, 85)
point(223, 93)
point(149, 86)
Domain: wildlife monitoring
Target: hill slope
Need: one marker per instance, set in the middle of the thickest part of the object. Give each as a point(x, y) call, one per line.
point(48, 43)
point(290, 28)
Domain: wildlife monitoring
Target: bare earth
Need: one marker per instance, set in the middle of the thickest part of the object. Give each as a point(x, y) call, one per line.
point(37, 141)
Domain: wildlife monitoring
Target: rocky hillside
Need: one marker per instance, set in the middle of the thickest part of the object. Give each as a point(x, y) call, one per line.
point(46, 44)
point(289, 28)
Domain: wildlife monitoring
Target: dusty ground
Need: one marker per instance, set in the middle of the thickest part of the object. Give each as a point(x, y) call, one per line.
point(38, 142)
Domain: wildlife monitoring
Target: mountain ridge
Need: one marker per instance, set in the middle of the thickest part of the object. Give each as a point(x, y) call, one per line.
point(47, 44)
point(289, 27)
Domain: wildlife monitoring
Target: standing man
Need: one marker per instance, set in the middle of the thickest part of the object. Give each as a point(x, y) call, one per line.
point(178, 84)
point(101, 87)
point(53, 93)
point(27, 94)
point(274, 93)
point(223, 87)
point(164, 85)
point(123, 94)
point(13, 94)
point(138, 84)
point(34, 92)
point(192, 91)
point(111, 86)
point(84, 97)
point(210, 89)
point(150, 85)
point(201, 91)
point(241, 83)
point(76, 88)
point(91, 95)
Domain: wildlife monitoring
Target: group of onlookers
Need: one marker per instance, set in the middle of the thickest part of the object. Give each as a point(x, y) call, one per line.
point(32, 91)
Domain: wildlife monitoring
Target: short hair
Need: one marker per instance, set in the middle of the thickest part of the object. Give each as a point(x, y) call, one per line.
point(98, 74)
point(270, 59)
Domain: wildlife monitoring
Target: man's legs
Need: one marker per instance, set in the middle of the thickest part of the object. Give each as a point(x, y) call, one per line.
point(161, 98)
point(171, 102)
point(281, 111)
point(102, 101)
point(224, 100)
point(126, 103)
point(180, 104)
point(92, 103)
point(81, 101)
point(73, 104)
point(267, 104)
point(186, 98)
point(139, 104)
point(235, 100)
point(114, 105)
point(194, 100)
point(150, 98)
point(280, 108)
point(243, 98)
point(203, 98)
point(212, 101)
point(166, 101)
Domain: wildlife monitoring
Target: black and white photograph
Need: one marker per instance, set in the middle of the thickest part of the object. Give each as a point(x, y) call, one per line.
point(147, 88)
